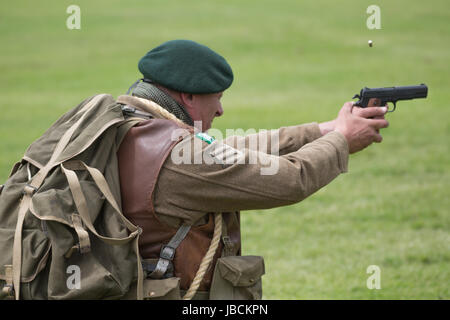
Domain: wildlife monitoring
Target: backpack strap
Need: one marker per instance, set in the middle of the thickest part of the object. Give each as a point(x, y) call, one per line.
point(82, 207)
point(168, 252)
point(81, 204)
point(84, 244)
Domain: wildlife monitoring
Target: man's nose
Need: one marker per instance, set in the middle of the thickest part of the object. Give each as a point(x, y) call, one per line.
point(219, 112)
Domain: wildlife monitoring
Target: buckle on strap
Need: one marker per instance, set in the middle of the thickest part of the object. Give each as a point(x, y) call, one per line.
point(167, 252)
point(151, 266)
point(129, 110)
point(228, 246)
point(227, 242)
point(29, 190)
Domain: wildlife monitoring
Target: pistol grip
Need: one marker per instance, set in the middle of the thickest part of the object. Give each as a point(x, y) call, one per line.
point(374, 102)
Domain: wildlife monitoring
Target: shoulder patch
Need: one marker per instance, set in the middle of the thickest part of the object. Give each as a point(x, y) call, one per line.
point(205, 137)
point(224, 154)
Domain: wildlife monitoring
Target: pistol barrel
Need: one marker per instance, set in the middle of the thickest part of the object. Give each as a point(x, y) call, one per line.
point(411, 92)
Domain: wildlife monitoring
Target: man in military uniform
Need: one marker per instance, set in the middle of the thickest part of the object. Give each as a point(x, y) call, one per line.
point(177, 203)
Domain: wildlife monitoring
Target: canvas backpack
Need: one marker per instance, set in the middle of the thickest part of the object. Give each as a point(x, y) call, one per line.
point(62, 232)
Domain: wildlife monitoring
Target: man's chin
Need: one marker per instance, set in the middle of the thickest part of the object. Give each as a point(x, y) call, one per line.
point(207, 127)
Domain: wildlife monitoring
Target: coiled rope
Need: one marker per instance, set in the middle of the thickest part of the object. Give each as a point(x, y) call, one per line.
point(206, 261)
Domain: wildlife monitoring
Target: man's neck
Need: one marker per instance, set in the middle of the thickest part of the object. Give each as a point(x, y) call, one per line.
point(164, 98)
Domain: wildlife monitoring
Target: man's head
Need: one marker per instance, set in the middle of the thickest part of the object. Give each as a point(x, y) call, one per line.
point(193, 74)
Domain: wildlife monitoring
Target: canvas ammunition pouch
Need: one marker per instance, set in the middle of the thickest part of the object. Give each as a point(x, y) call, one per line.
point(237, 278)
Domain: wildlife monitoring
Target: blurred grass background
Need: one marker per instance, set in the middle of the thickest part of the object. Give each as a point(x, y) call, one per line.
point(294, 62)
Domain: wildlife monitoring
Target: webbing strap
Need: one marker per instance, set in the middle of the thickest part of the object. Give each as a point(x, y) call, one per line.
point(29, 190)
point(83, 236)
point(81, 205)
point(168, 252)
point(227, 243)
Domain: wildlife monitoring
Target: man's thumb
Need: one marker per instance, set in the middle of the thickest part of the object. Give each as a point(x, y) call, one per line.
point(347, 108)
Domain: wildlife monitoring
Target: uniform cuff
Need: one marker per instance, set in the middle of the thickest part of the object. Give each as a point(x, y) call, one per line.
point(339, 141)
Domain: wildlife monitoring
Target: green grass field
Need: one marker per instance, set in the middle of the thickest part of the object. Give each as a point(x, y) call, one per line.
point(294, 62)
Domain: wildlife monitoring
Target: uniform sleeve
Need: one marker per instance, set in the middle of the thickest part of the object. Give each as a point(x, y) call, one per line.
point(255, 180)
point(284, 140)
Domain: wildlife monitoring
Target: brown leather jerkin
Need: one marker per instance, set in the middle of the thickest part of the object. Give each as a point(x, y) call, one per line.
point(141, 156)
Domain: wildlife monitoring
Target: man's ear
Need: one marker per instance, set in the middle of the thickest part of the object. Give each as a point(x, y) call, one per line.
point(187, 99)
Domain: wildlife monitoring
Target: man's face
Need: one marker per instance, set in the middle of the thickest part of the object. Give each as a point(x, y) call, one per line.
point(205, 107)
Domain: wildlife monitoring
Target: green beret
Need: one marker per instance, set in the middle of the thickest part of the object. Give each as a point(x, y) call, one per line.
point(186, 66)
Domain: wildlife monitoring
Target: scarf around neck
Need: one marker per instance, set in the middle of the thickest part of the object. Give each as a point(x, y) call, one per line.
point(143, 89)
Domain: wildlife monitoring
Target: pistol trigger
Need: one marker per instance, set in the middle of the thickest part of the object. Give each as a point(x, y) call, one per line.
point(395, 105)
